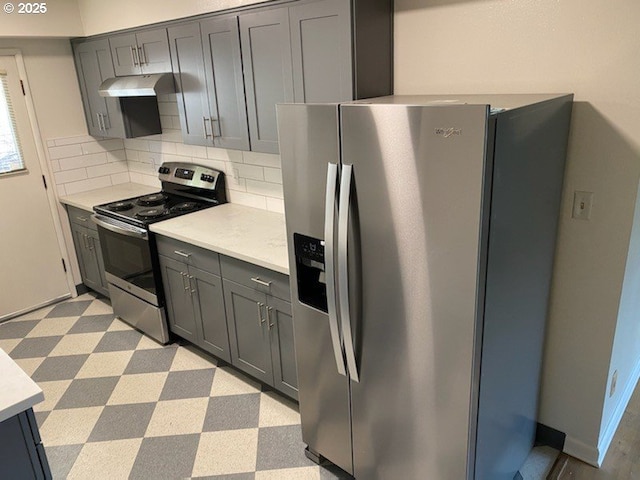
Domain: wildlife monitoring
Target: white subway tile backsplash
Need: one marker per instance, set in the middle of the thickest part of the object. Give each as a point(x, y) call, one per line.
point(249, 171)
point(168, 108)
point(61, 190)
point(102, 146)
point(137, 177)
point(73, 140)
point(65, 151)
point(264, 188)
point(275, 205)
point(262, 159)
point(116, 156)
point(85, 185)
point(273, 175)
point(136, 144)
point(226, 155)
point(147, 157)
point(55, 166)
point(238, 184)
point(51, 143)
point(119, 178)
point(162, 147)
point(248, 199)
point(131, 154)
point(140, 167)
point(83, 161)
point(166, 121)
point(176, 123)
point(107, 169)
point(183, 149)
point(198, 151)
point(70, 175)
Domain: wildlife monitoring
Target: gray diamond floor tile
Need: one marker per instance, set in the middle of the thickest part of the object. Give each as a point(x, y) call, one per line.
point(167, 458)
point(87, 392)
point(59, 368)
point(153, 360)
point(62, 458)
point(188, 384)
point(92, 323)
point(233, 476)
point(35, 347)
point(232, 412)
point(118, 422)
point(281, 447)
point(41, 417)
point(69, 309)
point(119, 341)
point(16, 329)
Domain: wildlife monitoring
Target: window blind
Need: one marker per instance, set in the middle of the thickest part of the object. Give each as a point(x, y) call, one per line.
point(11, 159)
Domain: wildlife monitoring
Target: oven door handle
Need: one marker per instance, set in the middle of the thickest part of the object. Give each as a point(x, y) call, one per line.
point(122, 228)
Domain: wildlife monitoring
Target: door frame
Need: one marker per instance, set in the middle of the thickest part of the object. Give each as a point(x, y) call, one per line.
point(45, 167)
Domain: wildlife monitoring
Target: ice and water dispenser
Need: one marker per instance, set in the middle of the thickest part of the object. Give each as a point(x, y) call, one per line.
point(312, 288)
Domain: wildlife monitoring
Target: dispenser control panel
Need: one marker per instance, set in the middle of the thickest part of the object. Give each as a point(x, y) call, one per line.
point(312, 288)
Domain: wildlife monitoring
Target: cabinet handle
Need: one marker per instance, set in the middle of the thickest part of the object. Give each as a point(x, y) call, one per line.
point(182, 254)
point(92, 245)
point(211, 120)
point(260, 282)
point(192, 290)
point(134, 56)
point(184, 281)
point(142, 57)
point(260, 319)
point(82, 219)
point(204, 125)
point(269, 309)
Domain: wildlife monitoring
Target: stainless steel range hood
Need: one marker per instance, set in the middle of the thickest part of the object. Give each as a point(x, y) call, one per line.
point(138, 85)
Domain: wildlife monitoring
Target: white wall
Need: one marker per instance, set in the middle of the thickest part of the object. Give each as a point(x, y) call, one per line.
point(107, 16)
point(62, 19)
point(589, 48)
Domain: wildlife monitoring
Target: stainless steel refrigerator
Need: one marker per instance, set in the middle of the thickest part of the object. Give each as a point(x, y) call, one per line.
point(421, 234)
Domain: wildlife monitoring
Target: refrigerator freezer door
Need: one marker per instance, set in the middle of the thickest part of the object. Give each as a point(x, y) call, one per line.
point(417, 208)
point(309, 141)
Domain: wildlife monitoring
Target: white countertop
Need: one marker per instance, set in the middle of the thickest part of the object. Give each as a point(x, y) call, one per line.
point(19, 392)
point(250, 234)
point(87, 200)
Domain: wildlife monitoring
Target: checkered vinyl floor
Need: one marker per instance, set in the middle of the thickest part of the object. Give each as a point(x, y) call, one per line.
point(119, 405)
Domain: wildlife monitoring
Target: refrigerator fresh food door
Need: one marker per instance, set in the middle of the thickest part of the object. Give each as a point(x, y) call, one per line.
point(416, 249)
point(310, 152)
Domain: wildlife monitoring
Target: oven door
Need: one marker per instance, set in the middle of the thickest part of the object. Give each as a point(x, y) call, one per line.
point(127, 257)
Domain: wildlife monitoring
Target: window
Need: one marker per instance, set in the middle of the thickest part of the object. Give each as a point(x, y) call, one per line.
point(10, 152)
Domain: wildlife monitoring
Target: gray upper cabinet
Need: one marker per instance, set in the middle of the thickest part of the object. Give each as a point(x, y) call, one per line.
point(191, 90)
point(322, 66)
point(223, 67)
point(266, 57)
point(140, 53)
point(93, 65)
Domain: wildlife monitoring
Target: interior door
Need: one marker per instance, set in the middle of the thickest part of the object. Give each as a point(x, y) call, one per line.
point(32, 271)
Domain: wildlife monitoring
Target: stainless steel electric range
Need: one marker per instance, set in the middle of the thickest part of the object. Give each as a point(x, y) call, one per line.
point(129, 248)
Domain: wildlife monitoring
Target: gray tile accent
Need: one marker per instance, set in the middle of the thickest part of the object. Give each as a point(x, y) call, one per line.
point(118, 422)
point(232, 476)
point(41, 417)
point(165, 457)
point(92, 323)
point(187, 384)
point(153, 360)
point(16, 329)
point(59, 368)
point(232, 412)
point(281, 447)
point(87, 392)
point(62, 458)
point(69, 309)
point(35, 347)
point(118, 341)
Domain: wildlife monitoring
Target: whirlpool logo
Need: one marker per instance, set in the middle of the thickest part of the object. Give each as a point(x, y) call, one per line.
point(448, 132)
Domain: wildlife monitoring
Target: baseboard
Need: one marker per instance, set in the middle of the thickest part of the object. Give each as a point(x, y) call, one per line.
point(607, 435)
point(587, 453)
point(81, 289)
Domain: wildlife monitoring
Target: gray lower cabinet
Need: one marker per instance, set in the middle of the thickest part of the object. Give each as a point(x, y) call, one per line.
point(94, 65)
point(142, 52)
point(210, 92)
point(260, 324)
point(87, 246)
point(193, 294)
point(22, 455)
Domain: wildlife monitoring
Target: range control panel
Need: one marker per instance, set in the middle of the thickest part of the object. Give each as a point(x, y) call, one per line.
point(190, 175)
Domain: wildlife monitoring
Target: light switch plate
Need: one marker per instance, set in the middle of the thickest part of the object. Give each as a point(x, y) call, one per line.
point(582, 203)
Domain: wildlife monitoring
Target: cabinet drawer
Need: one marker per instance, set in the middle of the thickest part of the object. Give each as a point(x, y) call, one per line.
point(256, 277)
point(190, 254)
point(81, 217)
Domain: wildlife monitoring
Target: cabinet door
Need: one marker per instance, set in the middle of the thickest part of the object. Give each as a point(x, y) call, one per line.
point(223, 66)
point(97, 263)
point(178, 297)
point(80, 244)
point(266, 56)
point(93, 61)
point(87, 259)
point(248, 331)
point(209, 311)
point(283, 353)
point(126, 58)
point(320, 36)
point(187, 64)
point(153, 51)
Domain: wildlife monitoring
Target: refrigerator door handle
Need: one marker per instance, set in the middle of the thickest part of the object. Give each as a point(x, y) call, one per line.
point(329, 223)
point(343, 269)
